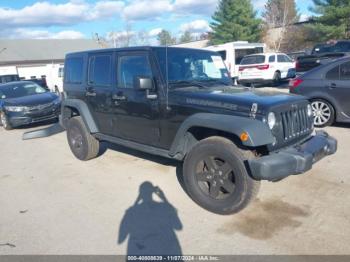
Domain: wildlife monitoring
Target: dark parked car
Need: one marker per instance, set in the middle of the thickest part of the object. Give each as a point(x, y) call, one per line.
point(328, 89)
point(180, 103)
point(322, 54)
point(23, 103)
point(8, 78)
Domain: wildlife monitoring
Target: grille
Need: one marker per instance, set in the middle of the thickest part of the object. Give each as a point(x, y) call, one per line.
point(295, 123)
point(40, 107)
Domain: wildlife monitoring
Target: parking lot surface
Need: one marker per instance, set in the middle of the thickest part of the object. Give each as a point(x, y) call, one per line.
point(52, 203)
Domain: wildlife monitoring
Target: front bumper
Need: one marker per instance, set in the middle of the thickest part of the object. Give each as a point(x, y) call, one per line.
point(20, 119)
point(295, 160)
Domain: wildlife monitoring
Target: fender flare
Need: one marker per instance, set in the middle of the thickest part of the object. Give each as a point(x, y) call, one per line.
point(259, 133)
point(83, 110)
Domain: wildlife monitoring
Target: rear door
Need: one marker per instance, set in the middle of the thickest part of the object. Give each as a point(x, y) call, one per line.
point(137, 112)
point(100, 79)
point(338, 86)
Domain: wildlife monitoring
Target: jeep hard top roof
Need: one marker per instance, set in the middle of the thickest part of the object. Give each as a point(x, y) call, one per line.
point(138, 48)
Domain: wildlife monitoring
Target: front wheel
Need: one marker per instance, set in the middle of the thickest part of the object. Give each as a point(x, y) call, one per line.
point(83, 145)
point(324, 113)
point(5, 122)
point(216, 178)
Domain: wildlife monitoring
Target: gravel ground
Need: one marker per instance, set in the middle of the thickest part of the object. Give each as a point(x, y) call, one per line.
point(52, 203)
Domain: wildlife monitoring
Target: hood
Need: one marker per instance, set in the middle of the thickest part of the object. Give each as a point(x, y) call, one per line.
point(32, 100)
point(236, 98)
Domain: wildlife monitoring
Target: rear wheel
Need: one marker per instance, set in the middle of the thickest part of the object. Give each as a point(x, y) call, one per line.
point(83, 145)
point(324, 113)
point(216, 178)
point(4, 121)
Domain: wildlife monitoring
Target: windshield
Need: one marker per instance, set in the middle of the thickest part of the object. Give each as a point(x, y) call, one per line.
point(20, 89)
point(192, 66)
point(253, 59)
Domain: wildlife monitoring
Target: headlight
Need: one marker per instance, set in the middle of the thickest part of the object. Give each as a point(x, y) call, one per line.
point(57, 101)
point(309, 111)
point(271, 120)
point(16, 108)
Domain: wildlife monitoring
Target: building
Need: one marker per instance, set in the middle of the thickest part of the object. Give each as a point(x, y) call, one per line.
point(37, 58)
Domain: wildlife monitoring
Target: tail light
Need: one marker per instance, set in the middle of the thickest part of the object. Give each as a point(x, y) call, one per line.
point(260, 67)
point(294, 83)
point(297, 65)
point(263, 67)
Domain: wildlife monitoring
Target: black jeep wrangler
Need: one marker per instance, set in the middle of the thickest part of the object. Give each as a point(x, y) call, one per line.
point(181, 104)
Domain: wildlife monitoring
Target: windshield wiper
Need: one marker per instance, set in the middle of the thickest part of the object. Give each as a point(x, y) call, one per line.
point(188, 83)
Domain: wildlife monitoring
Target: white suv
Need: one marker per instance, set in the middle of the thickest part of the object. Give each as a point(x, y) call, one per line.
point(267, 67)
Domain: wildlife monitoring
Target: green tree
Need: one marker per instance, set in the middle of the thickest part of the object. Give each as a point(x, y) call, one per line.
point(165, 38)
point(332, 20)
point(235, 20)
point(186, 37)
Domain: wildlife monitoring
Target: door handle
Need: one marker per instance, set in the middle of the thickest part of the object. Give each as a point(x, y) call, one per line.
point(90, 93)
point(332, 85)
point(119, 97)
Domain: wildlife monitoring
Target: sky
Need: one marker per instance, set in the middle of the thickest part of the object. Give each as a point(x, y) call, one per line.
point(74, 19)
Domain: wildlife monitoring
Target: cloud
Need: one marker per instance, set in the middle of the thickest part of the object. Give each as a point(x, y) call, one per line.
point(49, 14)
point(107, 9)
point(196, 26)
point(24, 33)
point(146, 9)
point(304, 17)
point(155, 32)
point(259, 5)
point(205, 7)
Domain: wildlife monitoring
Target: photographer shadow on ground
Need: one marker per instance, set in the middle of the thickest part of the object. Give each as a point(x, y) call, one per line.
point(150, 225)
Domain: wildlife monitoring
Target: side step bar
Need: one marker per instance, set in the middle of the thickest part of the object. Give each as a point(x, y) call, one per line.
point(44, 132)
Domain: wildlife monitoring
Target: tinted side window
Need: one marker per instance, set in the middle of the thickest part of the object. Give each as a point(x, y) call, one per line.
point(131, 67)
point(100, 70)
point(345, 71)
point(281, 59)
point(272, 58)
point(333, 74)
point(74, 70)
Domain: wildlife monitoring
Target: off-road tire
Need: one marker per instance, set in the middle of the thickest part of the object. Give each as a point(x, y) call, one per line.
point(82, 144)
point(245, 187)
point(4, 122)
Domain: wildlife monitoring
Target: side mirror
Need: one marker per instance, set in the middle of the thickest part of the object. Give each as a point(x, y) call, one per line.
point(144, 83)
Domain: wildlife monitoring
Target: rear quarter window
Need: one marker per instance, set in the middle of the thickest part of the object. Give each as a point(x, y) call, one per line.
point(333, 74)
point(250, 60)
point(74, 70)
point(345, 71)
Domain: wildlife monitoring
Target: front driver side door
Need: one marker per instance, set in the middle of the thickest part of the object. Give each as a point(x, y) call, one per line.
point(137, 113)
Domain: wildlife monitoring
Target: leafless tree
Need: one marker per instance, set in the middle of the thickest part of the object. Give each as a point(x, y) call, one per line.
point(279, 16)
point(123, 38)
